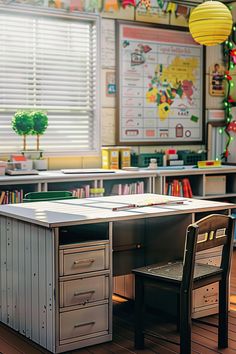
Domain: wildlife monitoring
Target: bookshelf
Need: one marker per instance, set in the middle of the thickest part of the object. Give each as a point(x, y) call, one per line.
point(82, 185)
point(209, 183)
point(212, 183)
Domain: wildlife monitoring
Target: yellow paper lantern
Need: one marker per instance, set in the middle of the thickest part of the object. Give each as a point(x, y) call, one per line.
point(210, 23)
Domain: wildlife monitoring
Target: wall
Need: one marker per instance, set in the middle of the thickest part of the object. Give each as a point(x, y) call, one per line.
point(108, 110)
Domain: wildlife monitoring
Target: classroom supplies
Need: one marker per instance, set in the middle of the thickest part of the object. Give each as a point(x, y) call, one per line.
point(209, 164)
point(124, 157)
point(153, 164)
point(215, 185)
point(110, 158)
point(132, 206)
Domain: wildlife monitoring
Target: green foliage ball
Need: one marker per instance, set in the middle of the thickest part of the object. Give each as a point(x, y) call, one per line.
point(22, 123)
point(40, 122)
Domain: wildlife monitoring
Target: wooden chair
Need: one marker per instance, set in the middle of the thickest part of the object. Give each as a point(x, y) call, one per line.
point(183, 277)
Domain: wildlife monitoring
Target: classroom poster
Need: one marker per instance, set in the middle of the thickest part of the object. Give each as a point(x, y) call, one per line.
point(160, 86)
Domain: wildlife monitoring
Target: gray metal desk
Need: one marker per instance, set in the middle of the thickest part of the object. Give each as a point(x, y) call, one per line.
point(57, 260)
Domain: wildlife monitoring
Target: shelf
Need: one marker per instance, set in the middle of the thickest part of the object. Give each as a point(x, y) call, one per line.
point(154, 181)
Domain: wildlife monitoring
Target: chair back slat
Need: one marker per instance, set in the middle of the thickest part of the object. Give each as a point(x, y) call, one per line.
point(212, 231)
point(202, 246)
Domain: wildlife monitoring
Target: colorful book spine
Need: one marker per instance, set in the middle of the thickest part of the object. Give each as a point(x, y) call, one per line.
point(179, 188)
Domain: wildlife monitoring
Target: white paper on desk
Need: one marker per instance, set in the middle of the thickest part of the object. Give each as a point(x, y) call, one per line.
point(108, 126)
point(108, 52)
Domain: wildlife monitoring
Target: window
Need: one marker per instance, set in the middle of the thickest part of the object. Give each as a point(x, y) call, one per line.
point(49, 61)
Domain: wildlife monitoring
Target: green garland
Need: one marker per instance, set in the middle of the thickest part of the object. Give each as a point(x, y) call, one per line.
point(229, 52)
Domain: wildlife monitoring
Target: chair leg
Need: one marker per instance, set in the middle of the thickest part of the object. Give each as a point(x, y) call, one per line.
point(223, 314)
point(178, 313)
point(185, 322)
point(139, 313)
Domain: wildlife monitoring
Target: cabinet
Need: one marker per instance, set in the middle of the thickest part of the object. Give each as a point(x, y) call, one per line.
point(84, 291)
point(12, 188)
point(212, 183)
point(55, 289)
point(56, 180)
point(205, 183)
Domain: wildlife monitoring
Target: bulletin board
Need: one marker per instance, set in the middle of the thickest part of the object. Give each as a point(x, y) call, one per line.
point(161, 86)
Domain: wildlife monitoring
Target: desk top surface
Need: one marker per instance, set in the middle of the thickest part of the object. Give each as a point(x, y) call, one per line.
point(58, 176)
point(95, 210)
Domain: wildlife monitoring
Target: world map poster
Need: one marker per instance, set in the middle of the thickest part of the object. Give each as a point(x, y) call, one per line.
point(160, 86)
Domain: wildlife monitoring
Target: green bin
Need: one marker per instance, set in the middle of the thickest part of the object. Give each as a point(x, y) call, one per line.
point(47, 196)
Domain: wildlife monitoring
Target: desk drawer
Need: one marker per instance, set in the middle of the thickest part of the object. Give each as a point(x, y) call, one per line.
point(83, 322)
point(205, 296)
point(84, 260)
point(84, 290)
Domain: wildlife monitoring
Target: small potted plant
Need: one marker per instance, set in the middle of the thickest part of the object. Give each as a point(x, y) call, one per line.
point(22, 124)
point(40, 124)
point(41, 163)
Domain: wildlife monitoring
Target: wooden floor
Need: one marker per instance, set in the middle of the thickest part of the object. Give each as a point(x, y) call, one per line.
point(204, 337)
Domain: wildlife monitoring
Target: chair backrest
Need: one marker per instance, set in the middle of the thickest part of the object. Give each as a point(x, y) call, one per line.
point(46, 196)
point(214, 230)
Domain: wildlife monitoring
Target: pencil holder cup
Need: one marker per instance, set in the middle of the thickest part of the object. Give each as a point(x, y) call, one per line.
point(153, 164)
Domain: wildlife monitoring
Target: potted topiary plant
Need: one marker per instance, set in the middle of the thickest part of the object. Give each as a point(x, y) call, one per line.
point(40, 124)
point(22, 124)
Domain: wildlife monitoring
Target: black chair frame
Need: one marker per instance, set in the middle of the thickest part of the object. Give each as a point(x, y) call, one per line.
point(183, 277)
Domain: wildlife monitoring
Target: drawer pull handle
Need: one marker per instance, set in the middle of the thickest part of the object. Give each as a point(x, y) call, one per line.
point(210, 295)
point(84, 292)
point(89, 260)
point(84, 324)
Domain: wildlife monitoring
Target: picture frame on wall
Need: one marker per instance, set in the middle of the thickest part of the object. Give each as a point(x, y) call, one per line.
point(217, 80)
point(161, 86)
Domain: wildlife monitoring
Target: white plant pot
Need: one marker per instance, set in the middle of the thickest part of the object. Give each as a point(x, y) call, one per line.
point(41, 165)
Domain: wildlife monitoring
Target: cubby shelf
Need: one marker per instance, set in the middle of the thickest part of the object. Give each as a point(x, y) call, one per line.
point(209, 183)
point(154, 181)
point(56, 180)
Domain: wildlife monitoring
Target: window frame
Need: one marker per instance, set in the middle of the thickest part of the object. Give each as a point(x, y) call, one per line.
point(63, 14)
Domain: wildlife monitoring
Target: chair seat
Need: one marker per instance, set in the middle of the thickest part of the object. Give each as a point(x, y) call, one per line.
point(173, 271)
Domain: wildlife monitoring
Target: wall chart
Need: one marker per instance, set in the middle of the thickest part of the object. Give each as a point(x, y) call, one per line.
point(160, 86)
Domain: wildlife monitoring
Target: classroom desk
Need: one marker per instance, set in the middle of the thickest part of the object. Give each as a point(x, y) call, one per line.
point(57, 260)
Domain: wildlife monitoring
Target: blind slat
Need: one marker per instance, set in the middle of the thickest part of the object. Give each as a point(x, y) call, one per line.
point(50, 64)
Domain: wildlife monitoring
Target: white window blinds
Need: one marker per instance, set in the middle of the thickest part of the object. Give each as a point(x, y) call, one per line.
point(50, 62)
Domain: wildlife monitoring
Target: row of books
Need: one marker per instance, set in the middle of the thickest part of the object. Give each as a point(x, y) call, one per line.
point(82, 192)
point(179, 188)
point(128, 188)
point(11, 197)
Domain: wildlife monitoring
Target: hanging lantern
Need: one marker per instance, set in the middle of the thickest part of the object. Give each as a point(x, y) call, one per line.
point(210, 23)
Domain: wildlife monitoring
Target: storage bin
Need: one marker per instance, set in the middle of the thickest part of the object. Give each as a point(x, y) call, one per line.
point(110, 158)
point(191, 157)
point(124, 157)
point(215, 185)
point(47, 196)
point(143, 160)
